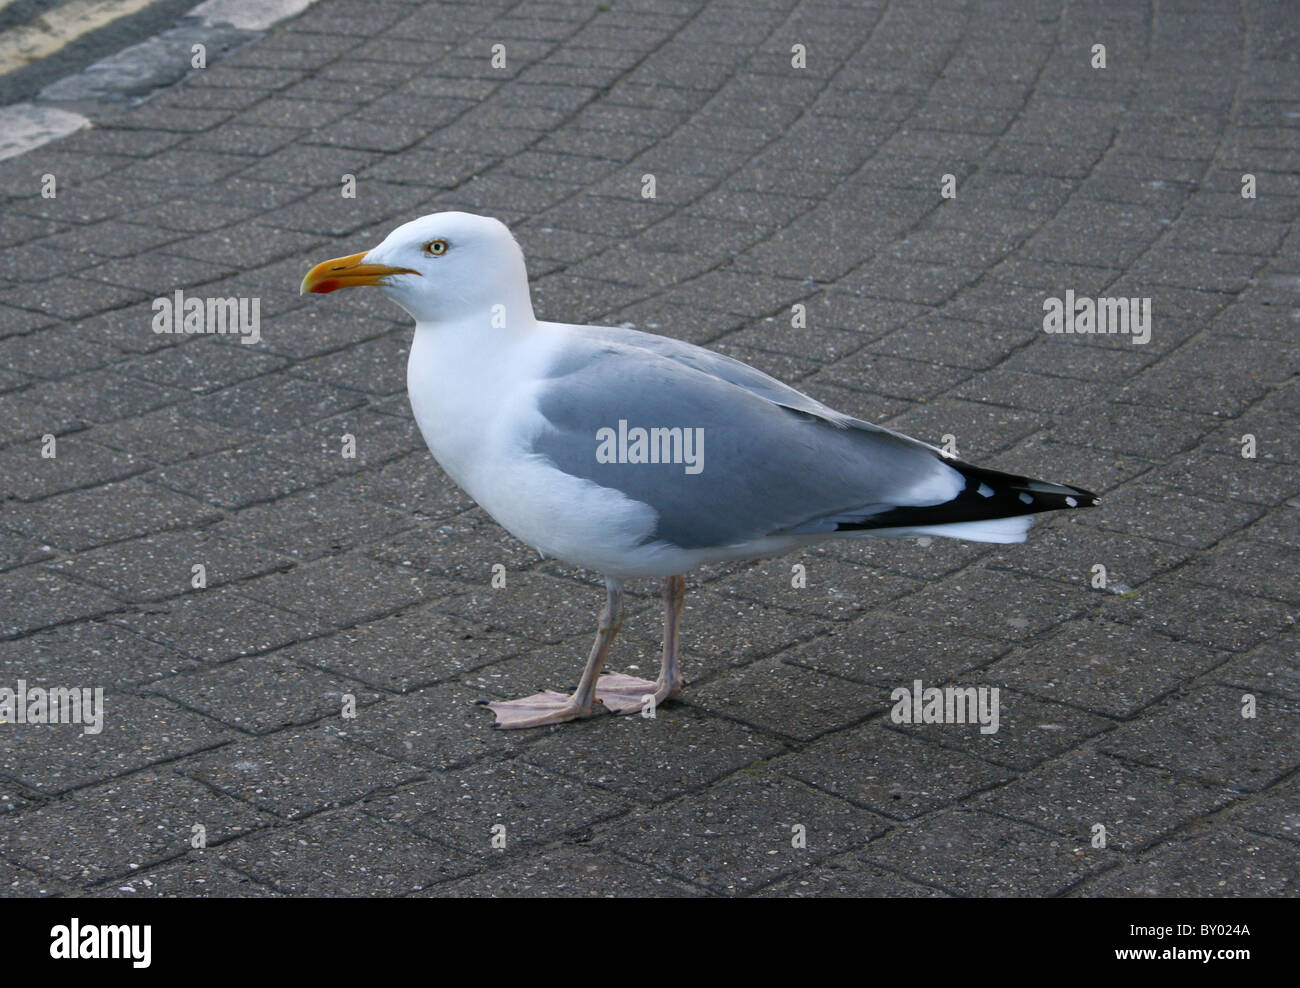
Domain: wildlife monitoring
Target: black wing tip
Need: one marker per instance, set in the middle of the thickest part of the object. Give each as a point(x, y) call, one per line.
point(1076, 497)
point(1024, 495)
point(988, 495)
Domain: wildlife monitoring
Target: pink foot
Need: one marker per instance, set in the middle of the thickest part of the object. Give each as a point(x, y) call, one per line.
point(538, 710)
point(628, 694)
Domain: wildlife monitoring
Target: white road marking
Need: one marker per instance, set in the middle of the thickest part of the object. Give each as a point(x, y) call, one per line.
point(25, 126)
point(47, 33)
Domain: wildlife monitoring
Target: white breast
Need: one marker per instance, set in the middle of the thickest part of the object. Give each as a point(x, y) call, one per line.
point(474, 399)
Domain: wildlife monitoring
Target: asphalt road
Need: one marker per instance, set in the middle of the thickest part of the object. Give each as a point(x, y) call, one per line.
point(24, 82)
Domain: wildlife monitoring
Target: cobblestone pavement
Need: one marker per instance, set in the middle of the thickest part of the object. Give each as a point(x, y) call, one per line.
point(1124, 705)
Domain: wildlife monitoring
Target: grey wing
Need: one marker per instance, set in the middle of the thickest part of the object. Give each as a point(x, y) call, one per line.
point(717, 365)
point(766, 468)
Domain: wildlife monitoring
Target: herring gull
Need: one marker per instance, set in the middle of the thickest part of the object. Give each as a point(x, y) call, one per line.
point(637, 455)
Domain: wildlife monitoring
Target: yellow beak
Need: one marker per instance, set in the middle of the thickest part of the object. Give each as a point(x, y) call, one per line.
point(347, 272)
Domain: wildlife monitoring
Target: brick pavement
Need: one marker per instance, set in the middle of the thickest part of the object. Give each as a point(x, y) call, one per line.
point(775, 186)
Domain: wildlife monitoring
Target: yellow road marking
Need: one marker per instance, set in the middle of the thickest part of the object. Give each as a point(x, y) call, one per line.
point(43, 35)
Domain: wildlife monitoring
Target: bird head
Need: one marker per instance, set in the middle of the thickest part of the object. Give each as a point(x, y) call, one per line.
point(444, 267)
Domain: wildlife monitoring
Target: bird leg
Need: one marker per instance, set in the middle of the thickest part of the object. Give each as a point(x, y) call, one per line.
point(625, 694)
point(550, 707)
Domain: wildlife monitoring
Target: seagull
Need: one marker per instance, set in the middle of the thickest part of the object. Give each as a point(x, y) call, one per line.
point(640, 456)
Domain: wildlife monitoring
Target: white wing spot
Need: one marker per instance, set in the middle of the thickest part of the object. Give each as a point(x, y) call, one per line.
point(985, 490)
point(1027, 498)
point(1071, 502)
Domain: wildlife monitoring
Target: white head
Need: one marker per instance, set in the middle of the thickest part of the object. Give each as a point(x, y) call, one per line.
point(441, 268)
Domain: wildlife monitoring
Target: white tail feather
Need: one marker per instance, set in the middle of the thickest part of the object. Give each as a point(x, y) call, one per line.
point(994, 530)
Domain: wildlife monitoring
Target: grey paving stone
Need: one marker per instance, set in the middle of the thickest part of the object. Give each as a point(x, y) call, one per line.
point(1254, 568)
point(793, 701)
point(534, 606)
point(463, 548)
point(731, 629)
point(406, 651)
point(888, 651)
point(1095, 470)
point(271, 404)
point(847, 876)
point(18, 551)
point(557, 666)
point(883, 374)
point(567, 872)
point(82, 519)
point(1244, 371)
point(167, 434)
point(377, 366)
point(1029, 731)
point(629, 757)
point(307, 524)
point(1207, 862)
point(979, 430)
point(71, 298)
point(741, 833)
point(1272, 813)
point(264, 693)
point(1103, 667)
point(1204, 734)
point(1272, 667)
point(1188, 612)
point(1029, 391)
point(196, 876)
point(248, 474)
point(1268, 426)
point(56, 352)
point(105, 395)
point(835, 590)
point(311, 330)
point(296, 773)
point(19, 883)
point(974, 854)
point(377, 439)
point(218, 625)
point(375, 860)
point(160, 566)
point(995, 604)
point(921, 558)
point(343, 590)
point(88, 652)
point(415, 485)
point(32, 597)
point(465, 809)
point(438, 727)
point(856, 765)
point(1137, 806)
point(111, 830)
point(77, 463)
point(54, 758)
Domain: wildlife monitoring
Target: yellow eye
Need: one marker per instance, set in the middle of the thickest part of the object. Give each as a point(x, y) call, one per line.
point(436, 247)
